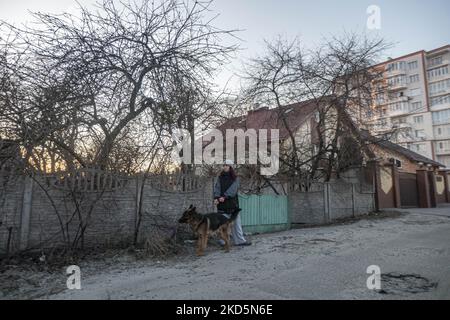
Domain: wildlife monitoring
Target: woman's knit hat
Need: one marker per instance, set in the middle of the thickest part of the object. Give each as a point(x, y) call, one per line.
point(229, 162)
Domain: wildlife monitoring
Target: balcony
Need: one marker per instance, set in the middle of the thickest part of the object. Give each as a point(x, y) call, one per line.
point(442, 152)
point(439, 93)
point(396, 69)
point(437, 65)
point(393, 73)
point(398, 99)
point(442, 147)
point(401, 125)
point(397, 86)
point(380, 126)
point(398, 112)
point(439, 107)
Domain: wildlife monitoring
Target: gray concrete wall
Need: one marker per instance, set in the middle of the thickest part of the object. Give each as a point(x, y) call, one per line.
point(11, 196)
point(112, 220)
point(307, 207)
point(337, 200)
point(33, 212)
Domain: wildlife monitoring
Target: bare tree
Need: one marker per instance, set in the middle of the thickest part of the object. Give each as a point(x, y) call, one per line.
point(337, 77)
point(82, 80)
point(104, 88)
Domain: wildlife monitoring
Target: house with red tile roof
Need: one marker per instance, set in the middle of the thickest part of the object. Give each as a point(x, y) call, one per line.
point(400, 173)
point(300, 120)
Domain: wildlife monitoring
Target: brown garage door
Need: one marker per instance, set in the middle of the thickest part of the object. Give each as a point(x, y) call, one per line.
point(409, 197)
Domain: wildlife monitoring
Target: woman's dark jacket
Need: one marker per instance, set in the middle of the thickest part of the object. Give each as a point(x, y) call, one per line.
point(226, 187)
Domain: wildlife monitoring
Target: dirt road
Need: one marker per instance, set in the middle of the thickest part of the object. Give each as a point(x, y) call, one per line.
point(412, 252)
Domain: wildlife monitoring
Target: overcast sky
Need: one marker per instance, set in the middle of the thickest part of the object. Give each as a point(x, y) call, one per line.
point(411, 24)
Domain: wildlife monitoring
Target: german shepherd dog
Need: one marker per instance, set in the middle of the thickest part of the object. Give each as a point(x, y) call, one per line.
point(208, 224)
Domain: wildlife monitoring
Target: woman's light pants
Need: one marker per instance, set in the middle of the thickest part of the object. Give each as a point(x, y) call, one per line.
point(237, 235)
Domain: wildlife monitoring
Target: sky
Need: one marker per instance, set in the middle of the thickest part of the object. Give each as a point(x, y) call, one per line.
point(411, 25)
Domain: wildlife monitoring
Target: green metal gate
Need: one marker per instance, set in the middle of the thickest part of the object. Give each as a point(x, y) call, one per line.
point(264, 213)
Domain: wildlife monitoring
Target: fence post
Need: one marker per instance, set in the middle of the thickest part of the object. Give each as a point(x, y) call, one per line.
point(353, 200)
point(326, 201)
point(138, 200)
point(26, 212)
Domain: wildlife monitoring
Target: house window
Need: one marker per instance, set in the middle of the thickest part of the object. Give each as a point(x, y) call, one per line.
point(317, 116)
point(398, 163)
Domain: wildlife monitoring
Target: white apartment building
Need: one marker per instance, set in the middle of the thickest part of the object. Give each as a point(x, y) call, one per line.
point(414, 100)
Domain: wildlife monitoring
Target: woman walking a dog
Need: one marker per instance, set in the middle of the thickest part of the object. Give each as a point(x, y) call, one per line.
point(226, 200)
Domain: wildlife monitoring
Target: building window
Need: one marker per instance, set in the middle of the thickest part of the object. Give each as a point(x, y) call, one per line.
point(419, 133)
point(443, 146)
point(380, 99)
point(418, 147)
point(441, 116)
point(399, 65)
point(418, 119)
point(416, 106)
point(398, 163)
point(413, 65)
point(414, 78)
point(439, 86)
point(397, 121)
point(396, 81)
point(443, 131)
point(438, 72)
point(435, 101)
point(435, 61)
point(398, 106)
